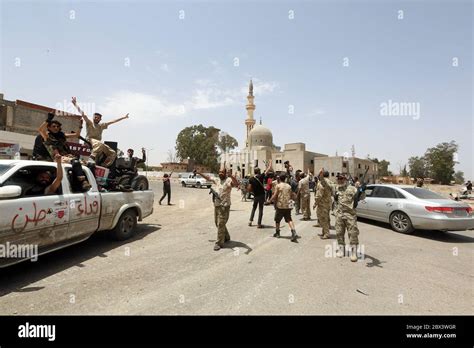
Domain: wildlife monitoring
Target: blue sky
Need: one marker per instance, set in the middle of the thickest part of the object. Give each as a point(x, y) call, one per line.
point(169, 73)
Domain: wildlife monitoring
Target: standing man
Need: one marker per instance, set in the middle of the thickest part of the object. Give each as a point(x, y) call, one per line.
point(166, 188)
point(282, 196)
point(323, 202)
point(346, 218)
point(256, 184)
point(94, 135)
point(223, 187)
point(289, 169)
point(294, 184)
point(135, 161)
point(304, 193)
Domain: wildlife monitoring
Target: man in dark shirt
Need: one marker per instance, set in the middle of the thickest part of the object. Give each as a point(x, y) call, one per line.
point(40, 153)
point(134, 161)
point(166, 188)
point(256, 184)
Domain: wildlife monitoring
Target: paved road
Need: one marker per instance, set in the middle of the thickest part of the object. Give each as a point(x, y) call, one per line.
point(171, 268)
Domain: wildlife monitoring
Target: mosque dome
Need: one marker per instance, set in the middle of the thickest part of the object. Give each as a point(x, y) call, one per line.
point(260, 136)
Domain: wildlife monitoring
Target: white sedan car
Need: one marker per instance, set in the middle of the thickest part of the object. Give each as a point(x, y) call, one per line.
point(407, 208)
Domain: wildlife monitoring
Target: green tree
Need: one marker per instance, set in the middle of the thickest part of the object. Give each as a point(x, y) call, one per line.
point(404, 171)
point(440, 161)
point(199, 143)
point(226, 142)
point(417, 167)
point(382, 166)
point(459, 177)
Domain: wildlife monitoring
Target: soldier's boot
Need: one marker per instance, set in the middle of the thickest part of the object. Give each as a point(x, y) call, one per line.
point(277, 234)
point(294, 236)
point(353, 253)
point(340, 251)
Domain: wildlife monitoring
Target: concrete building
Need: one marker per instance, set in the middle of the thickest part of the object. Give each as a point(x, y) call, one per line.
point(348, 165)
point(259, 148)
point(183, 166)
point(20, 120)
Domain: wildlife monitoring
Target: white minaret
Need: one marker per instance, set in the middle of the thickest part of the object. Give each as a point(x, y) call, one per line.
point(250, 121)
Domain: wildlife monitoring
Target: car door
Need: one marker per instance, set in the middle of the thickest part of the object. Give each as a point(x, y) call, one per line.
point(40, 220)
point(383, 201)
point(363, 207)
point(84, 208)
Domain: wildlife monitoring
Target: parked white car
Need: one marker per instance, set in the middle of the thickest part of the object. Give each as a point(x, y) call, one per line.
point(194, 180)
point(407, 208)
point(55, 221)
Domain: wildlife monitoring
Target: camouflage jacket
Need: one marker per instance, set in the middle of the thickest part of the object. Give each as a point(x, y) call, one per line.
point(345, 199)
point(324, 192)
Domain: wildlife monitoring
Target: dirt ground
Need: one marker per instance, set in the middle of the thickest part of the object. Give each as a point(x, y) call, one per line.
point(170, 267)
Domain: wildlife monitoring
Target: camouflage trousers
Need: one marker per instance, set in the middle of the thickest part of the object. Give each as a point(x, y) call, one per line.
point(323, 218)
point(297, 203)
point(100, 148)
point(221, 216)
point(345, 221)
point(305, 206)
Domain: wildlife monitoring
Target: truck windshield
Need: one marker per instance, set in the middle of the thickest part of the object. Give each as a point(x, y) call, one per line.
point(4, 168)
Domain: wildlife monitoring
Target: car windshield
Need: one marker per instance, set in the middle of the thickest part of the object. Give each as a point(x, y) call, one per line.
point(4, 168)
point(422, 193)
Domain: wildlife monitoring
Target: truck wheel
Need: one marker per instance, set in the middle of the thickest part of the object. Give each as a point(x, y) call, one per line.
point(125, 226)
point(400, 222)
point(183, 184)
point(140, 183)
point(198, 185)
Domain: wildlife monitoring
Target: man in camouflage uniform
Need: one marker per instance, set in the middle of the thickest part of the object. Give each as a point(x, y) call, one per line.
point(346, 218)
point(282, 195)
point(223, 187)
point(323, 201)
point(294, 184)
point(304, 194)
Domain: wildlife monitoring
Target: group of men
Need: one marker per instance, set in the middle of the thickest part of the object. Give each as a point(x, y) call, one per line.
point(52, 145)
point(287, 189)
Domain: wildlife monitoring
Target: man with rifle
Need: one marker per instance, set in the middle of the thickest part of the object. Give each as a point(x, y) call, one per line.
point(347, 198)
point(221, 198)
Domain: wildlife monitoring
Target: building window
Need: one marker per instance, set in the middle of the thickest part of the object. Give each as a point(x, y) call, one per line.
point(359, 165)
point(312, 161)
point(332, 174)
point(344, 165)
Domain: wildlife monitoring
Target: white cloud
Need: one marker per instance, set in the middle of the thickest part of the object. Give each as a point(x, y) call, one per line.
point(143, 108)
point(148, 108)
point(210, 98)
point(164, 67)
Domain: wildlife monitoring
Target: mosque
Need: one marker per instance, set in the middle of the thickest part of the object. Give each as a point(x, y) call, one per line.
point(259, 148)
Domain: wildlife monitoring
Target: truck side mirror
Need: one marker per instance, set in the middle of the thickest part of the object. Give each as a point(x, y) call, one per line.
point(10, 191)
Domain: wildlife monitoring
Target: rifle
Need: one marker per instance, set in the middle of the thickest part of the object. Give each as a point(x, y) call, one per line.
point(361, 189)
point(214, 193)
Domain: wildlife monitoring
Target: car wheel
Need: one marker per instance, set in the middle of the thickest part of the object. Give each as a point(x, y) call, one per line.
point(125, 226)
point(183, 184)
point(198, 185)
point(400, 222)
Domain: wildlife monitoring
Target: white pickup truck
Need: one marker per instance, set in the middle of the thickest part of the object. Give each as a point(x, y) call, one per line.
point(52, 222)
point(194, 180)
